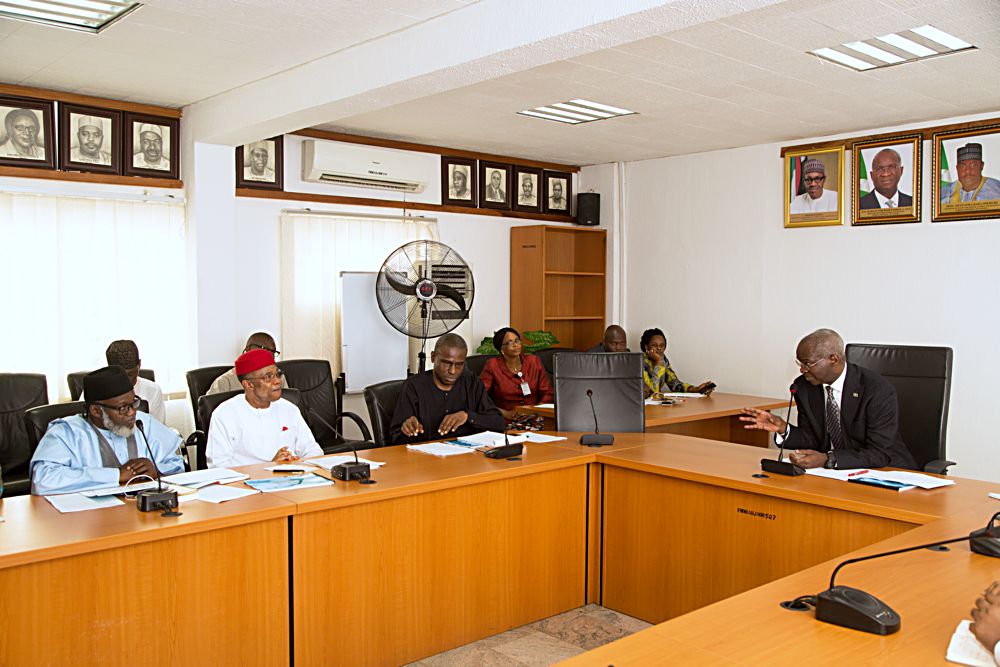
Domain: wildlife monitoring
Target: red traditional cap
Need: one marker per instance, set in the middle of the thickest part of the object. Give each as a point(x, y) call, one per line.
point(254, 360)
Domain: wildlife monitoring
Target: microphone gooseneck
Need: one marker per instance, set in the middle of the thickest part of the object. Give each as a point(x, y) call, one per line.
point(335, 431)
point(593, 410)
point(788, 424)
point(139, 426)
point(346, 471)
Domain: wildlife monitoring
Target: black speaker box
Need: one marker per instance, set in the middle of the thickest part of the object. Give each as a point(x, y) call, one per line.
point(588, 209)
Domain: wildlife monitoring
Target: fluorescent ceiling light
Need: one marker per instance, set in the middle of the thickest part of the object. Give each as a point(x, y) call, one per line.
point(875, 52)
point(843, 59)
point(903, 48)
point(574, 111)
point(908, 45)
point(941, 37)
point(86, 15)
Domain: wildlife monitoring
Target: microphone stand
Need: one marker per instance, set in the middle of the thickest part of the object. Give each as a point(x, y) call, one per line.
point(782, 467)
point(150, 501)
point(346, 471)
point(596, 439)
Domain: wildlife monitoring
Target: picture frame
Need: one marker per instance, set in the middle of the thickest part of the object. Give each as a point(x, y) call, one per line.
point(967, 158)
point(90, 139)
point(260, 164)
point(527, 184)
point(152, 146)
point(887, 183)
point(494, 185)
point(464, 191)
point(557, 192)
point(810, 202)
point(26, 133)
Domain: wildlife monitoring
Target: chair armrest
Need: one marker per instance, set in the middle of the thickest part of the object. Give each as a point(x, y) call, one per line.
point(938, 467)
point(362, 426)
point(194, 444)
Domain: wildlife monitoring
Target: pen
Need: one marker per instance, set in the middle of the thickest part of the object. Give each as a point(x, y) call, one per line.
point(858, 472)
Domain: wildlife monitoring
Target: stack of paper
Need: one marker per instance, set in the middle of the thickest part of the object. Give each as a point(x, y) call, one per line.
point(199, 478)
point(327, 462)
point(490, 439)
point(272, 484)
point(441, 449)
point(965, 649)
point(541, 437)
point(77, 502)
point(216, 493)
point(899, 479)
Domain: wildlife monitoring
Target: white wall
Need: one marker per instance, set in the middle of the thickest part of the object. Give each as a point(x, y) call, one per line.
point(708, 260)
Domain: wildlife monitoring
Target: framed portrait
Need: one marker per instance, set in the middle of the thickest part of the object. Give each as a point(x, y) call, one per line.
point(458, 181)
point(152, 146)
point(260, 164)
point(887, 184)
point(494, 185)
point(557, 189)
point(90, 139)
point(527, 189)
point(27, 138)
point(813, 184)
point(966, 177)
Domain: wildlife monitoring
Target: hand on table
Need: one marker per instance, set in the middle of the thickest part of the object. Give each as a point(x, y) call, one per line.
point(706, 388)
point(807, 458)
point(284, 455)
point(451, 422)
point(986, 617)
point(136, 467)
point(412, 427)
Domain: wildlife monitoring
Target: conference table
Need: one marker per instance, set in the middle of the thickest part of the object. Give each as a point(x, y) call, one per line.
point(715, 417)
point(443, 551)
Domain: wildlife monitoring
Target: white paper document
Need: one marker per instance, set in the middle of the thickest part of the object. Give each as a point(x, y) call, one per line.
point(77, 502)
point(682, 394)
point(490, 439)
point(842, 475)
point(995, 496)
point(551, 406)
point(291, 467)
point(441, 449)
point(327, 462)
point(912, 478)
point(965, 649)
point(531, 436)
point(199, 478)
point(117, 490)
point(216, 493)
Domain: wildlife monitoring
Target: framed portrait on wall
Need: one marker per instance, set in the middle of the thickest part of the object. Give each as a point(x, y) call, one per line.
point(458, 181)
point(813, 179)
point(886, 187)
point(494, 185)
point(260, 164)
point(28, 139)
point(527, 189)
point(152, 146)
point(966, 177)
point(557, 191)
point(90, 139)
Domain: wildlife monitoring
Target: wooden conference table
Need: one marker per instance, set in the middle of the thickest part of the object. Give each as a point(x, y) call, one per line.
point(441, 552)
point(714, 417)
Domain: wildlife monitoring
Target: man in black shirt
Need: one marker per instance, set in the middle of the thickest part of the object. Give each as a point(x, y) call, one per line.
point(444, 401)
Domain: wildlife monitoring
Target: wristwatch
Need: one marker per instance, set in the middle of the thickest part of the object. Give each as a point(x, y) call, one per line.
point(831, 460)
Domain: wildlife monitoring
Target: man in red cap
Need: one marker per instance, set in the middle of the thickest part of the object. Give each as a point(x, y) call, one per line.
point(259, 425)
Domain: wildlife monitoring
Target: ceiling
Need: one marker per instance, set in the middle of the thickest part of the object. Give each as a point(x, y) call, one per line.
point(740, 80)
point(176, 52)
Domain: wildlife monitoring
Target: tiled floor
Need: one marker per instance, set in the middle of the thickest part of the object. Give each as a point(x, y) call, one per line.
point(545, 642)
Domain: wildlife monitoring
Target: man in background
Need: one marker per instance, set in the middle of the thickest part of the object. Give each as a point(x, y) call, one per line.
point(971, 184)
point(90, 140)
point(614, 341)
point(22, 136)
point(229, 381)
point(495, 191)
point(557, 200)
point(256, 168)
point(887, 169)
point(816, 198)
point(444, 401)
point(150, 155)
point(527, 197)
point(125, 353)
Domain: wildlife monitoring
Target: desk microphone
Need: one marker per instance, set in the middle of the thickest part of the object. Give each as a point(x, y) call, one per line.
point(150, 501)
point(596, 439)
point(858, 610)
point(508, 451)
point(782, 467)
point(346, 471)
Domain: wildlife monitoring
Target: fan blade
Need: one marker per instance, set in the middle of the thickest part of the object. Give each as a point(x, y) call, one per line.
point(449, 292)
point(398, 285)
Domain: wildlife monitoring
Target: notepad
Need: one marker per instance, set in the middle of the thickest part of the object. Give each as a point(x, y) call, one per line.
point(490, 439)
point(77, 502)
point(965, 649)
point(441, 449)
point(199, 478)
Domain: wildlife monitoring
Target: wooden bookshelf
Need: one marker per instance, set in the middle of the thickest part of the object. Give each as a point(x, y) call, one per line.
point(557, 282)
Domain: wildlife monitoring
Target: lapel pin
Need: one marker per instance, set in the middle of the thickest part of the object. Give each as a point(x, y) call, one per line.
point(854, 394)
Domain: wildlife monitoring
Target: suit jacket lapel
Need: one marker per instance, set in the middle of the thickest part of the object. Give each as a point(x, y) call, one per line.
point(851, 400)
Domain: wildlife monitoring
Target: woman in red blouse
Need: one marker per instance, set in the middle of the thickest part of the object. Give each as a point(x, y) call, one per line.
point(514, 379)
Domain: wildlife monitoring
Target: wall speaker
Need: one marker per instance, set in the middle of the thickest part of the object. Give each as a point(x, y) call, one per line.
point(588, 209)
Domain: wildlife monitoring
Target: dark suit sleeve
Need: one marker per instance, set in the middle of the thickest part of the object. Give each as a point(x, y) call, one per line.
point(483, 414)
point(808, 434)
point(882, 425)
point(406, 407)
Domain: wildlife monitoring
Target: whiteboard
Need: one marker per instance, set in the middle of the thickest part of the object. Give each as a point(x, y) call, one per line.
point(371, 351)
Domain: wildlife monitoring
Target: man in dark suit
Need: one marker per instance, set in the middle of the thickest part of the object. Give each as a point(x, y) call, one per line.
point(848, 415)
point(887, 169)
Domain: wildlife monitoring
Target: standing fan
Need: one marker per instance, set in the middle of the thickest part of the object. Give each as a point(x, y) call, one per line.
point(424, 290)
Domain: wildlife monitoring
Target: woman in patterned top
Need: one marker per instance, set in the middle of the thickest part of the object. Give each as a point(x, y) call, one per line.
point(657, 374)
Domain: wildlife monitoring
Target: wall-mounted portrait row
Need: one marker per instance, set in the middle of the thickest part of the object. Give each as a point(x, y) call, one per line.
point(88, 139)
point(497, 185)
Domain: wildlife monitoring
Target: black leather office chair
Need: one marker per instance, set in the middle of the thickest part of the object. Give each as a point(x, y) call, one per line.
point(199, 381)
point(18, 392)
point(547, 357)
point(616, 380)
point(381, 401)
point(474, 363)
point(922, 378)
point(207, 405)
point(75, 381)
point(37, 420)
point(320, 393)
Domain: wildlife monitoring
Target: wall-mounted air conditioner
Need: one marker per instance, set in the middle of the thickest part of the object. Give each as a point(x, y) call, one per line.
point(361, 166)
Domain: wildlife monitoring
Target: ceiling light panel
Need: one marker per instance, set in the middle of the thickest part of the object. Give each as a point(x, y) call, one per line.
point(575, 111)
point(86, 15)
point(894, 49)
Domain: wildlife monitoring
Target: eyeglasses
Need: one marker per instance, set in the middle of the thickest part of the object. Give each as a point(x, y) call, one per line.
point(814, 179)
point(268, 377)
point(808, 367)
point(885, 169)
point(123, 409)
point(254, 346)
point(511, 343)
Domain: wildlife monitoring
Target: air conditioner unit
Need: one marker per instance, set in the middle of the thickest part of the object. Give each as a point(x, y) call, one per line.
point(363, 166)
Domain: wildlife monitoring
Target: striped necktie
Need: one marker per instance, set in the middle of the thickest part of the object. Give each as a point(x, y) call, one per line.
point(834, 429)
point(890, 204)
